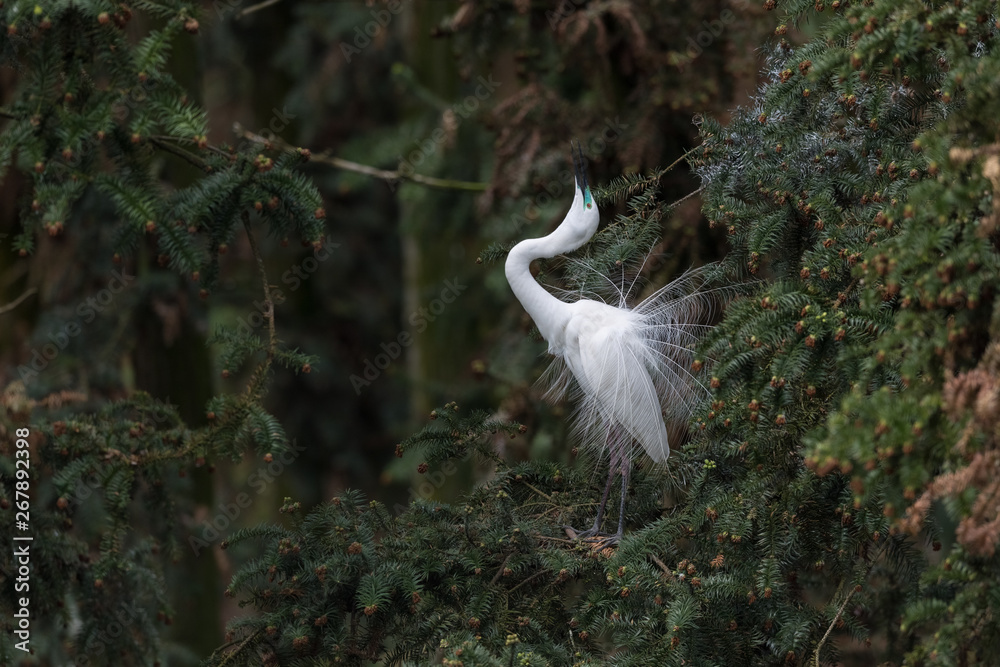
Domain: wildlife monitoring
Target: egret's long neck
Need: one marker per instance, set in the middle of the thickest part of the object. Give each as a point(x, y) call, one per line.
point(549, 313)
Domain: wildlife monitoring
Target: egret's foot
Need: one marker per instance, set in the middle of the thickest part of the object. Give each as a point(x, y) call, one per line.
point(602, 541)
point(576, 534)
point(608, 540)
point(594, 536)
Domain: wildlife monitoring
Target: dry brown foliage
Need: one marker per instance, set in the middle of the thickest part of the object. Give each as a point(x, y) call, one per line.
point(972, 395)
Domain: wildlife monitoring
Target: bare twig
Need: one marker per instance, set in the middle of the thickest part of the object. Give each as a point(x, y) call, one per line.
point(666, 570)
point(531, 578)
point(687, 196)
point(871, 564)
point(16, 302)
point(677, 161)
point(182, 140)
point(500, 569)
point(255, 8)
point(832, 624)
point(382, 174)
point(549, 538)
point(429, 181)
point(539, 492)
point(180, 152)
point(239, 648)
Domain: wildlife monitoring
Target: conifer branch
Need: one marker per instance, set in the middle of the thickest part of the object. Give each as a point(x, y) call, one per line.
point(628, 185)
point(382, 174)
point(821, 184)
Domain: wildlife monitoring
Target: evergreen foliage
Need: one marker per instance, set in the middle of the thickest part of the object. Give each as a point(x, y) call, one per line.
point(859, 184)
point(103, 125)
point(96, 117)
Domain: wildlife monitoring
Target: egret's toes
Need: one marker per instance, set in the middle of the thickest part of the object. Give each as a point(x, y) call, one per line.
point(577, 534)
point(604, 543)
point(594, 536)
point(589, 533)
point(610, 540)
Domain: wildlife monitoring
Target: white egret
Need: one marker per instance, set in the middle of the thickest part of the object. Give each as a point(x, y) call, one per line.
point(628, 368)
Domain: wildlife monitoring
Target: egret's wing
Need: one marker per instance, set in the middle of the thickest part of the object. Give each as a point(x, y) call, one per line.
point(614, 377)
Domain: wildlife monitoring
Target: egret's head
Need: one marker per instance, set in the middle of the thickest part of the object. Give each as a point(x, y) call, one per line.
point(574, 231)
point(582, 219)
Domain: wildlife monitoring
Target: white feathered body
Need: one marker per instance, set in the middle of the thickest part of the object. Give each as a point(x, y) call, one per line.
point(626, 368)
point(605, 350)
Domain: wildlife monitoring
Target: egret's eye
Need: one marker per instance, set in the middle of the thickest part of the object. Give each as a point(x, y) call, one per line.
point(589, 205)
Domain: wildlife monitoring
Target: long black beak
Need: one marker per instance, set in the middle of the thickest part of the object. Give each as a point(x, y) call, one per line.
point(579, 166)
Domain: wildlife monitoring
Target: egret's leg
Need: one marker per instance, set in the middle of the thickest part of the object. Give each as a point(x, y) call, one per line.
point(618, 463)
point(626, 473)
point(596, 528)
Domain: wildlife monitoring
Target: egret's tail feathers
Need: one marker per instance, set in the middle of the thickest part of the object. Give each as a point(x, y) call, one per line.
point(618, 388)
point(631, 372)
